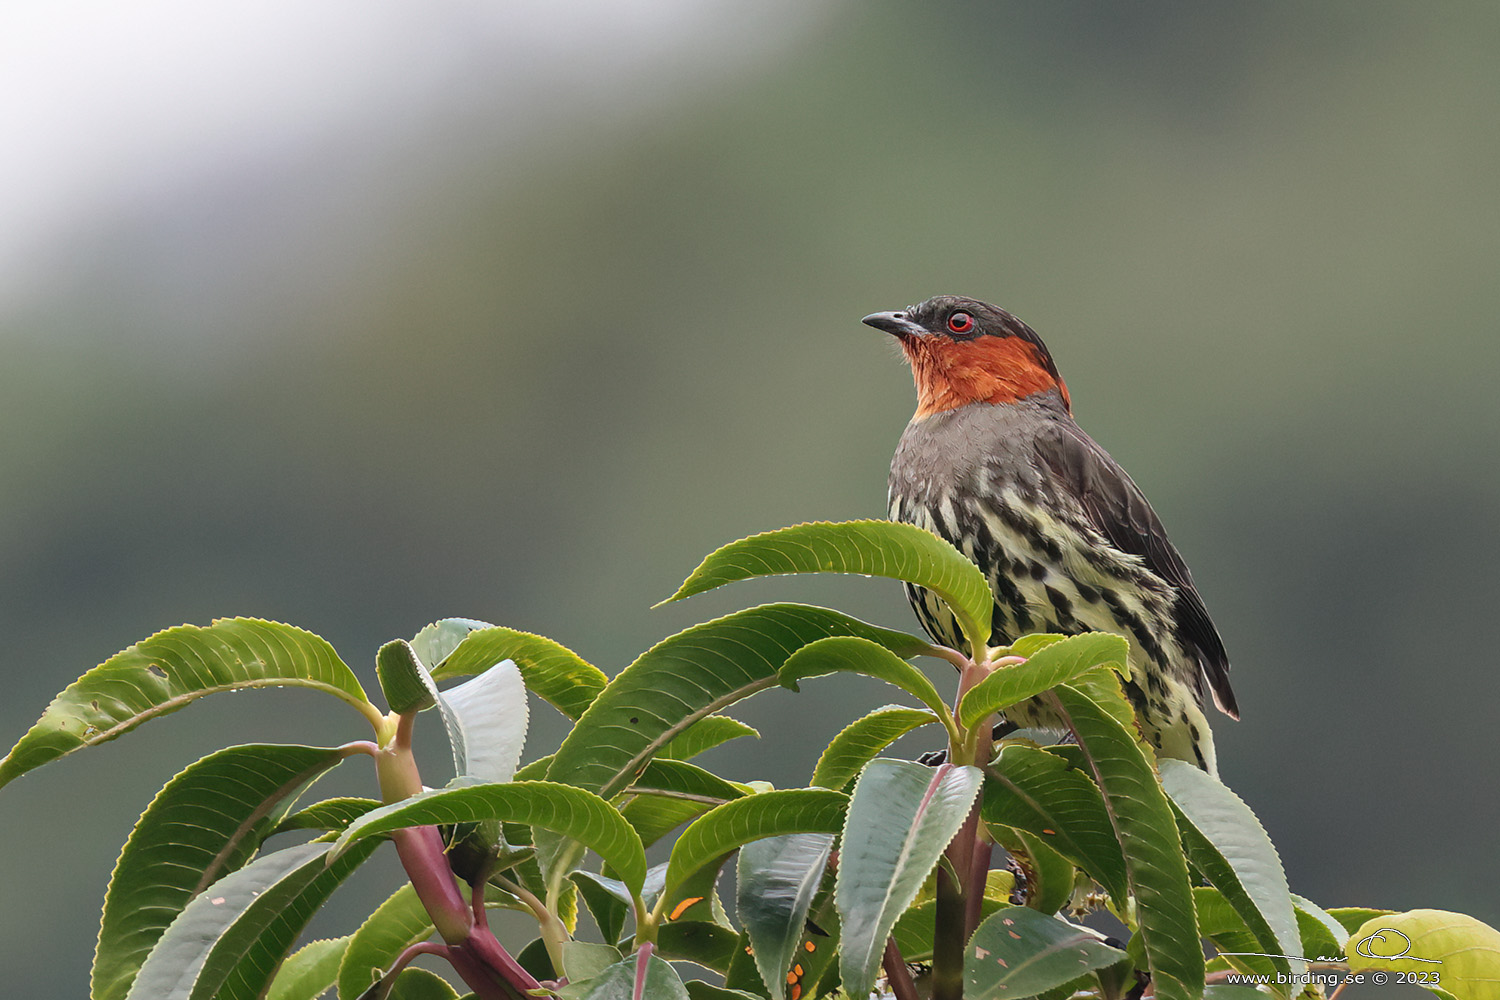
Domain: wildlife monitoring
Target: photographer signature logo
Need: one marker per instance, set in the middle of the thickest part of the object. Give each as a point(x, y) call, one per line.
point(1377, 945)
point(1386, 944)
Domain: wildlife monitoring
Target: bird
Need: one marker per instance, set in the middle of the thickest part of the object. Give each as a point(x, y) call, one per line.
point(993, 462)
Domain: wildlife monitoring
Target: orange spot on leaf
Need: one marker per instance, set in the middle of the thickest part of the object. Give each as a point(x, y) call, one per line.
point(681, 907)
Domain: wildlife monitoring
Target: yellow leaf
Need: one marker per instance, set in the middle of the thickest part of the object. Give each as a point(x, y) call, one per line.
point(1452, 951)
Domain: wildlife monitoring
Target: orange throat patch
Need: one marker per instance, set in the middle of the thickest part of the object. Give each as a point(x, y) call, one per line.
point(951, 374)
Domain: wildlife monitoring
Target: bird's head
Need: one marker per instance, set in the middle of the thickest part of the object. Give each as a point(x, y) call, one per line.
point(964, 351)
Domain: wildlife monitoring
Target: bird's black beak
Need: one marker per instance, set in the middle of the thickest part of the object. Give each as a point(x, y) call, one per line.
point(897, 324)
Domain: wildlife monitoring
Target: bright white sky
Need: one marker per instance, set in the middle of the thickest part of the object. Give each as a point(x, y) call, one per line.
point(106, 107)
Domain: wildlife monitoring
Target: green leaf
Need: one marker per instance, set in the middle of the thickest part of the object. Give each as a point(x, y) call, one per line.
point(534, 959)
point(698, 941)
point(1238, 948)
point(206, 822)
point(1036, 791)
point(742, 974)
point(713, 835)
point(776, 881)
point(862, 740)
point(1086, 984)
point(1050, 875)
point(330, 814)
point(1323, 938)
point(679, 779)
point(1056, 663)
point(1103, 687)
point(486, 718)
point(403, 679)
point(705, 734)
point(419, 984)
point(1230, 847)
point(1019, 952)
point(691, 675)
point(172, 669)
point(868, 548)
point(1319, 943)
point(1465, 951)
point(699, 990)
point(669, 793)
point(657, 981)
point(915, 927)
point(396, 924)
point(608, 901)
point(227, 943)
point(434, 642)
point(1028, 645)
point(1147, 831)
point(861, 656)
point(1352, 918)
point(901, 817)
point(535, 770)
point(585, 960)
point(557, 674)
point(655, 816)
point(309, 971)
point(694, 899)
point(572, 812)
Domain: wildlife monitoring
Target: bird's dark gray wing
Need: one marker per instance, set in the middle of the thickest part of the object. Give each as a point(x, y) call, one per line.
point(1119, 511)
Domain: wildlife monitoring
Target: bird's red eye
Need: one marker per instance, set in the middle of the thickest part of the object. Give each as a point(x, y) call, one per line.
point(960, 322)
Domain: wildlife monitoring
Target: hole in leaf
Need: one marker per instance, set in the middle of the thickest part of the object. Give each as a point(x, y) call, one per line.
point(156, 671)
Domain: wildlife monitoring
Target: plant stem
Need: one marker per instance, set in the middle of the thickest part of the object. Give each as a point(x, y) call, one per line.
point(896, 974)
point(496, 962)
point(953, 656)
point(411, 952)
point(961, 882)
point(554, 932)
point(979, 837)
point(475, 952)
point(421, 847)
point(476, 973)
point(646, 921)
point(948, 939)
point(979, 871)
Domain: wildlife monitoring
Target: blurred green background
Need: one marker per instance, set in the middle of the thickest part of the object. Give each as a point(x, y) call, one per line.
point(357, 315)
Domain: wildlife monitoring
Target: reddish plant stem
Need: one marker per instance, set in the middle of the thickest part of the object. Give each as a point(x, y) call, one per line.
point(979, 871)
point(896, 974)
point(420, 948)
point(642, 966)
point(476, 954)
point(948, 939)
point(980, 847)
point(421, 847)
point(421, 851)
point(953, 656)
point(487, 950)
point(476, 902)
point(480, 978)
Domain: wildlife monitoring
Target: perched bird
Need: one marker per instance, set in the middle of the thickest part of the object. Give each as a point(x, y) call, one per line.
point(993, 462)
